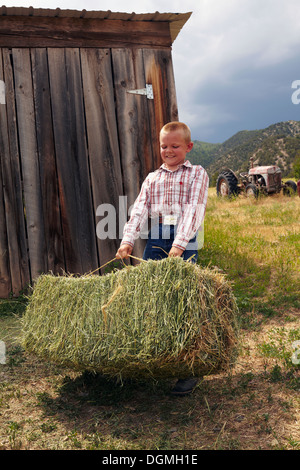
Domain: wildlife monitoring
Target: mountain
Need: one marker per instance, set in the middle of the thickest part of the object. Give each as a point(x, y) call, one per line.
point(277, 144)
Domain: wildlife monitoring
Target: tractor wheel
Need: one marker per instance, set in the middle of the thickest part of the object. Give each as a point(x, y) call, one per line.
point(290, 188)
point(227, 184)
point(251, 190)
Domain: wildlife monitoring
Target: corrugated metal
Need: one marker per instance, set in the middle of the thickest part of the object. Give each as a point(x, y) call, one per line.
point(176, 20)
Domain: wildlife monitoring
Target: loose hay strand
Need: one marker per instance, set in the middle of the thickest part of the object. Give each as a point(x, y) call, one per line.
point(104, 307)
point(163, 318)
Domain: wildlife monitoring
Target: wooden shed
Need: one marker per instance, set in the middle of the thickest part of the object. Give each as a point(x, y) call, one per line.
point(83, 95)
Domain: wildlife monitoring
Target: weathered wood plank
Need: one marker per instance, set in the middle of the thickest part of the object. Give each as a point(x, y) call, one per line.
point(20, 31)
point(63, 148)
point(29, 159)
point(159, 72)
point(5, 277)
point(13, 217)
point(104, 157)
point(78, 222)
point(45, 145)
point(12, 185)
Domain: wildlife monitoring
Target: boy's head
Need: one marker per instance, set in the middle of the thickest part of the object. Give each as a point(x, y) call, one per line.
point(175, 143)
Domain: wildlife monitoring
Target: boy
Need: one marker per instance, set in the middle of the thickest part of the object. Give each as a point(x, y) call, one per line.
point(175, 197)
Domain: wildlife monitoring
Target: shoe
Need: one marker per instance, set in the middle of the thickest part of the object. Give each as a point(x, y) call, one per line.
point(184, 386)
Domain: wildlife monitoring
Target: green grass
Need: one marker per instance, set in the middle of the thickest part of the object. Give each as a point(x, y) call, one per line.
point(12, 306)
point(257, 244)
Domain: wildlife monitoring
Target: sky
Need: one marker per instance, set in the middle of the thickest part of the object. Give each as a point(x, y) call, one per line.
point(235, 61)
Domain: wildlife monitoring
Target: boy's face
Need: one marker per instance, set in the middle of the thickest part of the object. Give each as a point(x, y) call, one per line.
point(173, 148)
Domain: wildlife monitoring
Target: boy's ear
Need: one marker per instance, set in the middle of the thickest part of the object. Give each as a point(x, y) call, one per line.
point(190, 146)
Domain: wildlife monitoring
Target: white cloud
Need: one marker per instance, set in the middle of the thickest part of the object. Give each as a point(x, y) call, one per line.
point(223, 36)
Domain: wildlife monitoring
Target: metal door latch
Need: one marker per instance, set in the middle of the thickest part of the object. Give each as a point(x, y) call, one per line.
point(148, 91)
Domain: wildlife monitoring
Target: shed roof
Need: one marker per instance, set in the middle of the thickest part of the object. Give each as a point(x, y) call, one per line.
point(176, 20)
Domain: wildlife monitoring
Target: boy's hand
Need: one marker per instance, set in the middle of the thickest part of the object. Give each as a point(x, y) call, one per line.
point(175, 251)
point(124, 251)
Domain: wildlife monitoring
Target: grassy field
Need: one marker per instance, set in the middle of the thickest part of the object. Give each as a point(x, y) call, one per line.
point(255, 405)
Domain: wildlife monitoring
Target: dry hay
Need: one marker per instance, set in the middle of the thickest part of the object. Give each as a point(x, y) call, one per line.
point(166, 318)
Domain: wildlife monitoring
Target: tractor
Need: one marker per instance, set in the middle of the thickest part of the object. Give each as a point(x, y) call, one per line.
point(259, 180)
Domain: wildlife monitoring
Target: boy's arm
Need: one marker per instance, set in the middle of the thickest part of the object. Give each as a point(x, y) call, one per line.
point(137, 219)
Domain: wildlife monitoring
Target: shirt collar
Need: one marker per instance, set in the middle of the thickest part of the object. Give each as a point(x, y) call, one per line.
point(186, 163)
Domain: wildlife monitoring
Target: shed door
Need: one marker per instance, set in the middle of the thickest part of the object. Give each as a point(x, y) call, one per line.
point(71, 140)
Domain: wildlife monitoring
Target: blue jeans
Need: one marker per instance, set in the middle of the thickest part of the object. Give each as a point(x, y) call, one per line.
point(160, 240)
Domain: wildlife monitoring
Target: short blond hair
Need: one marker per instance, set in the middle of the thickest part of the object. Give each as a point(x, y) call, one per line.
point(178, 126)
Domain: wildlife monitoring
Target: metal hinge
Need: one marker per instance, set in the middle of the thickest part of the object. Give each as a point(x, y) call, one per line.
point(148, 91)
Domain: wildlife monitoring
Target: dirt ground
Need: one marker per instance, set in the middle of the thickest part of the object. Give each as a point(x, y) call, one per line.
point(254, 406)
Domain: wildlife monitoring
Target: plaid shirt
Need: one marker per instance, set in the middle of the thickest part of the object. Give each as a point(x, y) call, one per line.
point(182, 193)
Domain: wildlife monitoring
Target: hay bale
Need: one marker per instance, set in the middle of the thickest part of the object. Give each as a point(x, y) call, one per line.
point(166, 318)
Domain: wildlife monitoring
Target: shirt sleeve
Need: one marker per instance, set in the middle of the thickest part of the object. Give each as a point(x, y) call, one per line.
point(194, 211)
point(138, 215)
